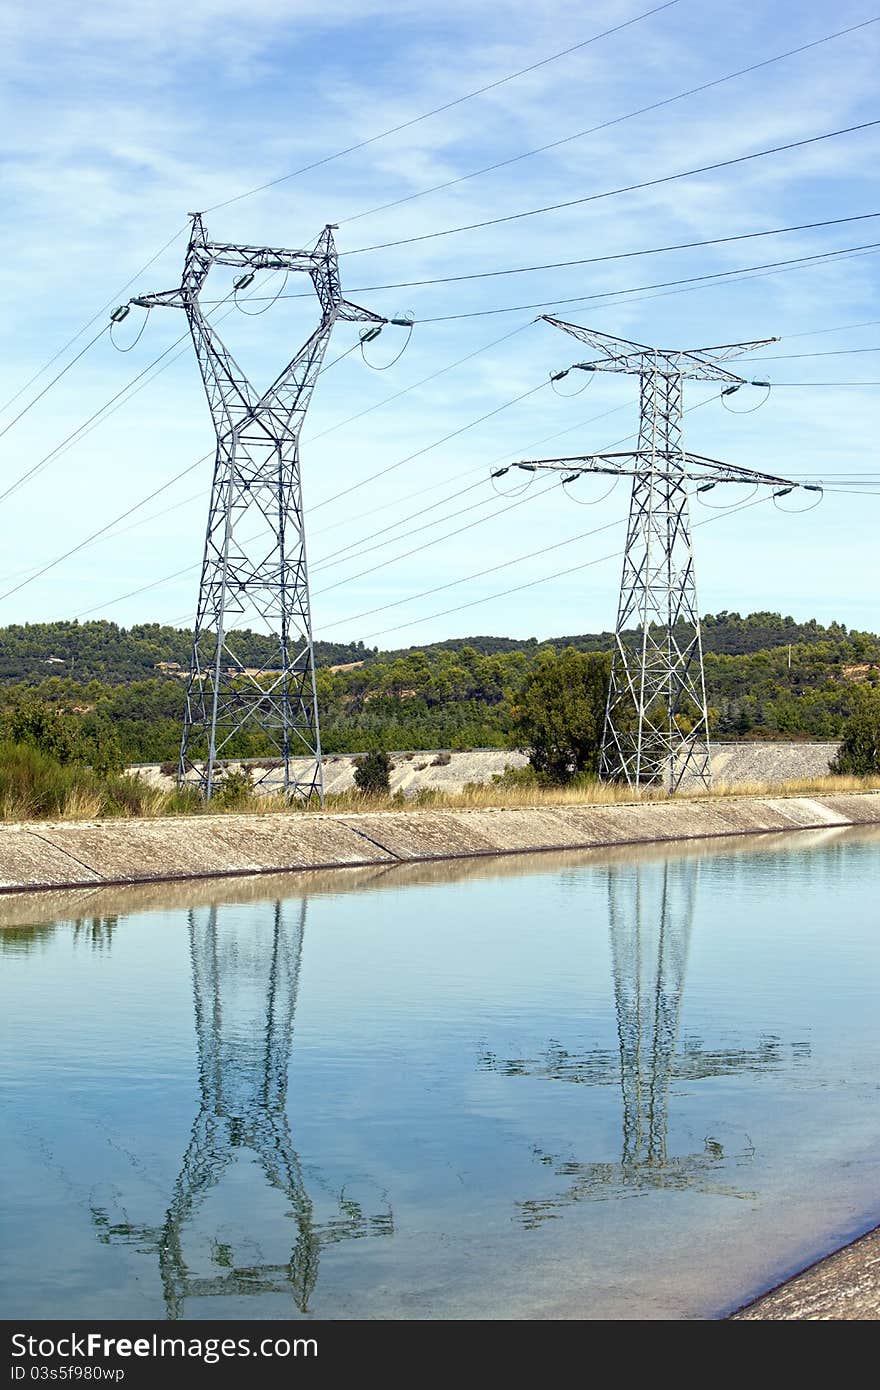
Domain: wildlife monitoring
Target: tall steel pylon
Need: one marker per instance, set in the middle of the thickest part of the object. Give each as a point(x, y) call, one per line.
point(254, 562)
point(656, 720)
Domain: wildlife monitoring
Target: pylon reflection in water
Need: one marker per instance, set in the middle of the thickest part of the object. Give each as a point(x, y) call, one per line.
point(246, 971)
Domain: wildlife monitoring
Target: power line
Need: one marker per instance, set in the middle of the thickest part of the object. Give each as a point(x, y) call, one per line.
point(72, 363)
point(426, 545)
point(205, 457)
point(777, 384)
point(447, 106)
point(87, 325)
point(605, 125)
point(328, 159)
point(533, 583)
point(102, 531)
point(834, 352)
point(467, 472)
point(47, 458)
point(189, 569)
point(615, 192)
point(588, 260)
point(835, 328)
point(581, 299)
point(461, 529)
point(718, 275)
point(423, 382)
point(480, 574)
point(453, 434)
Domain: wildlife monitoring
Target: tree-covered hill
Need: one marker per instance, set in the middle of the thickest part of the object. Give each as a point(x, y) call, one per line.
point(103, 651)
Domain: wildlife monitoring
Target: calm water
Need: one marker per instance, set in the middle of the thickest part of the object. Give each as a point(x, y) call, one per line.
point(612, 1087)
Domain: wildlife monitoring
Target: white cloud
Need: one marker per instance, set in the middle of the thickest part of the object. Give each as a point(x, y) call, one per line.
point(119, 119)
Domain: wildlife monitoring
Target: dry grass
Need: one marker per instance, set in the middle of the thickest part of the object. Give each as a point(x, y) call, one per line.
point(476, 796)
point(146, 801)
point(594, 794)
point(82, 803)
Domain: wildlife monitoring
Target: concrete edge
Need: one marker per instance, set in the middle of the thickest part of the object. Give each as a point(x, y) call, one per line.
point(843, 1286)
point(68, 855)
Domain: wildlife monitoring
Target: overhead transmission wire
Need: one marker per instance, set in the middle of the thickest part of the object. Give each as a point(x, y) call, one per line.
point(327, 159)
point(525, 268)
point(189, 569)
point(774, 268)
point(53, 453)
point(396, 395)
point(475, 173)
point(591, 260)
point(834, 352)
point(446, 106)
point(728, 77)
point(500, 511)
point(543, 579)
point(87, 325)
point(606, 125)
point(427, 448)
point(93, 420)
point(796, 262)
point(547, 303)
point(409, 458)
point(108, 408)
point(799, 262)
point(48, 387)
point(835, 328)
point(101, 531)
point(465, 473)
point(616, 192)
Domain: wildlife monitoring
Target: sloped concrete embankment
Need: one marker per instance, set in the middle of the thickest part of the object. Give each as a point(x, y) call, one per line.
point(79, 854)
point(844, 1287)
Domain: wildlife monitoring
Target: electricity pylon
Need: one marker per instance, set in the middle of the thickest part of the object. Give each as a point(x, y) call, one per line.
point(256, 488)
point(656, 719)
point(245, 976)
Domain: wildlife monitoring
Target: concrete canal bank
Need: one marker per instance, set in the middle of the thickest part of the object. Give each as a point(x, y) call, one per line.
point(844, 1287)
point(46, 855)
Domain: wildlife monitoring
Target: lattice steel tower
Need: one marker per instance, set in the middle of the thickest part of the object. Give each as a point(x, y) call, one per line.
point(656, 720)
point(254, 565)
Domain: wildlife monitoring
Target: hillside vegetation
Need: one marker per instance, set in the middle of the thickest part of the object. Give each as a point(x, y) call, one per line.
point(767, 676)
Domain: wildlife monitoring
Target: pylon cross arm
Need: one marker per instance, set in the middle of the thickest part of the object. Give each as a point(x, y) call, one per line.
point(675, 464)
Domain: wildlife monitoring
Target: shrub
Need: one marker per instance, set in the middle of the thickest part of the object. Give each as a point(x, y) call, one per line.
point(441, 760)
point(235, 789)
point(372, 773)
point(42, 726)
point(859, 752)
point(34, 784)
point(513, 778)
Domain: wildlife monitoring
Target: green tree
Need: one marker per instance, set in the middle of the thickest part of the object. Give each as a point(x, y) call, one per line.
point(859, 752)
point(372, 772)
point(560, 712)
point(38, 724)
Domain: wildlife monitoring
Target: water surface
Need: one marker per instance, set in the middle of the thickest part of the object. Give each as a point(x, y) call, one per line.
point(624, 1085)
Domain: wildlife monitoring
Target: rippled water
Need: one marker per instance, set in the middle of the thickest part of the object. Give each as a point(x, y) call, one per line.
point(612, 1086)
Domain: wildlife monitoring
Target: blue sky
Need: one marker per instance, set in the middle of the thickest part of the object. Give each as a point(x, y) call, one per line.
point(119, 119)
